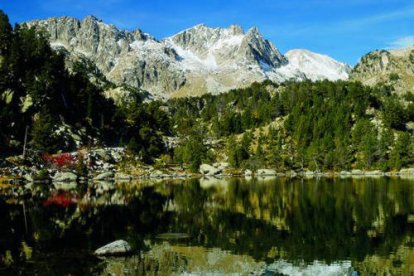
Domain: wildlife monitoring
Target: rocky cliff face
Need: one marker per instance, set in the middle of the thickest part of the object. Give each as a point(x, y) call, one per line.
point(394, 68)
point(195, 61)
point(132, 58)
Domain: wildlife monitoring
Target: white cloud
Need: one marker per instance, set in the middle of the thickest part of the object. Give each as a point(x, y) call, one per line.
point(403, 42)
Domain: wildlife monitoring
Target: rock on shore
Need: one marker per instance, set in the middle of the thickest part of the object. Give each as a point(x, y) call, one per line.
point(119, 247)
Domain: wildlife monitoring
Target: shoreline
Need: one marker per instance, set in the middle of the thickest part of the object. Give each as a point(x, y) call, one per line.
point(122, 177)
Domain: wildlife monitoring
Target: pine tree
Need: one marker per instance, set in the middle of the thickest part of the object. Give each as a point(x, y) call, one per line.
point(401, 155)
point(42, 134)
point(5, 34)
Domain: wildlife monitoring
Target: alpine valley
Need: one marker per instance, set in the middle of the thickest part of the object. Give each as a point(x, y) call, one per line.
point(209, 152)
point(204, 96)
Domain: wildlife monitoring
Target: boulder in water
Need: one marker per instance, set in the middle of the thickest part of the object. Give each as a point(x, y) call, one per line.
point(117, 248)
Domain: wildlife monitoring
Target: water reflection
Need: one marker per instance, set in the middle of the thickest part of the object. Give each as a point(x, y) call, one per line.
point(289, 226)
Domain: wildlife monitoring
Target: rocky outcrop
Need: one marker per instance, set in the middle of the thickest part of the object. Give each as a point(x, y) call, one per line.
point(125, 58)
point(157, 174)
point(394, 68)
point(357, 172)
point(209, 170)
point(374, 173)
point(195, 61)
point(117, 248)
point(406, 172)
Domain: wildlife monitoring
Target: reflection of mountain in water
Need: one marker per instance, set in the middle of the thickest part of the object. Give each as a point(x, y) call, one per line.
point(290, 225)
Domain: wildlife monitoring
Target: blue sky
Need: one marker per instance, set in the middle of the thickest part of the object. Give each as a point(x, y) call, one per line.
point(344, 30)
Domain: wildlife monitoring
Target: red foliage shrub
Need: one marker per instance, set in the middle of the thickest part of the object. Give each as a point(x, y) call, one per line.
point(60, 160)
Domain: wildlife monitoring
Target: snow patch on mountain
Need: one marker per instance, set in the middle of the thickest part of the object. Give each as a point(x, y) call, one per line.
point(195, 61)
point(316, 66)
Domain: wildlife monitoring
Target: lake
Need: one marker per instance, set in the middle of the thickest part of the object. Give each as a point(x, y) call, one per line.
point(212, 226)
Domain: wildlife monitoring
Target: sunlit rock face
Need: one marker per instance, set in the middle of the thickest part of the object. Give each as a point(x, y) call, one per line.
point(394, 68)
point(131, 58)
point(193, 62)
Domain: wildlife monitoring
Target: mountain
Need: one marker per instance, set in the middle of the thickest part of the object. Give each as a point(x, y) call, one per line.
point(316, 66)
point(193, 62)
point(218, 59)
point(131, 58)
point(394, 68)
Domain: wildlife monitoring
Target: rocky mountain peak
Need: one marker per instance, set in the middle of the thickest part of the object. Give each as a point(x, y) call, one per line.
point(92, 18)
point(256, 48)
point(236, 29)
point(254, 32)
point(197, 60)
point(228, 46)
point(203, 37)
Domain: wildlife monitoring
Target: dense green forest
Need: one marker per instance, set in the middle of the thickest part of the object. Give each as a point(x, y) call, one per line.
point(295, 125)
point(321, 125)
point(60, 109)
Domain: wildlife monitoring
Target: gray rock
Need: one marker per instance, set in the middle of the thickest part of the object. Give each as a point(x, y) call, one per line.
point(266, 172)
point(308, 173)
point(357, 172)
point(292, 174)
point(209, 170)
point(374, 173)
point(157, 174)
point(102, 154)
point(107, 166)
point(248, 173)
point(28, 177)
point(221, 165)
point(409, 171)
point(115, 248)
point(105, 176)
point(65, 177)
point(117, 154)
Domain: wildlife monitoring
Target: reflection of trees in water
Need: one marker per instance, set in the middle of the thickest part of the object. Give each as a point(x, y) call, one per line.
point(307, 219)
point(293, 219)
point(76, 231)
point(398, 260)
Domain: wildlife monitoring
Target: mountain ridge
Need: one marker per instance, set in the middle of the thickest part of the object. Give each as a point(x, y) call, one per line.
point(192, 62)
point(392, 68)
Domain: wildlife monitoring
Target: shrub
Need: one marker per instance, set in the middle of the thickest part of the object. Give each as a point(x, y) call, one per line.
point(64, 160)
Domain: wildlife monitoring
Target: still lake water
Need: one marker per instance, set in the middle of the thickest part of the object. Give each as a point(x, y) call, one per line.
point(230, 226)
